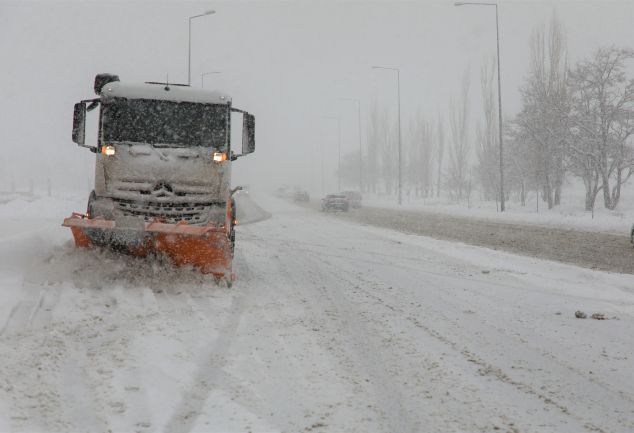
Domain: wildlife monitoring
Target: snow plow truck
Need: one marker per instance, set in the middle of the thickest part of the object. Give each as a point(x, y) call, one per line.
point(162, 173)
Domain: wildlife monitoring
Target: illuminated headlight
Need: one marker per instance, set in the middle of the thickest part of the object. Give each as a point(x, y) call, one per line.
point(107, 150)
point(220, 156)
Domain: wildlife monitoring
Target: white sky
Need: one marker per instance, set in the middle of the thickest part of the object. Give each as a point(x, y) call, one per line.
point(286, 62)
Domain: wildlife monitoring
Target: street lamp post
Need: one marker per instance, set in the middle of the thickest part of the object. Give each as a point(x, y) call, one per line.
point(398, 87)
point(338, 149)
point(497, 34)
point(202, 76)
point(360, 147)
point(189, 55)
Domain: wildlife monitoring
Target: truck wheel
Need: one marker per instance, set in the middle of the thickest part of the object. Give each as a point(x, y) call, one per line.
point(91, 198)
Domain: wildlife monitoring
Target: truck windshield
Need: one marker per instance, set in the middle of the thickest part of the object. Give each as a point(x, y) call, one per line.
point(167, 123)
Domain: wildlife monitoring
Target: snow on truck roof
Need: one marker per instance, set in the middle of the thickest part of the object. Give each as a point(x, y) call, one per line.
point(158, 91)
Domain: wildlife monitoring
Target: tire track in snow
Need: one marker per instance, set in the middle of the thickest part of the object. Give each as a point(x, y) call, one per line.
point(32, 311)
point(210, 364)
point(415, 276)
point(212, 374)
point(486, 368)
point(358, 344)
point(415, 279)
point(433, 278)
point(78, 399)
point(328, 278)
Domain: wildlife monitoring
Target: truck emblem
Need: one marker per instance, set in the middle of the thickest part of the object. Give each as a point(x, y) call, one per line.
point(162, 189)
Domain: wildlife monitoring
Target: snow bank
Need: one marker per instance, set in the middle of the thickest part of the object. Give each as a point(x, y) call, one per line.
point(567, 215)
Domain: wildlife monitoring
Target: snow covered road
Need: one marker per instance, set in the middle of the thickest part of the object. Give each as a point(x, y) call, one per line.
point(331, 327)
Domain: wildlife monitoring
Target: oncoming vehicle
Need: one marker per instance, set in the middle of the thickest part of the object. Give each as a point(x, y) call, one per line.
point(335, 202)
point(162, 173)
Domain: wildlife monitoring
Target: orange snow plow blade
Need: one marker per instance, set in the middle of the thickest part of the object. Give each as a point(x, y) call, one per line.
point(206, 248)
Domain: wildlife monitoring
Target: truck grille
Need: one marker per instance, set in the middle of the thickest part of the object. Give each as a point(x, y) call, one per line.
point(169, 212)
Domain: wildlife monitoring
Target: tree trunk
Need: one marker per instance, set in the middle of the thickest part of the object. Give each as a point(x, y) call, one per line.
point(607, 200)
point(590, 199)
point(591, 183)
point(616, 190)
point(548, 192)
point(558, 194)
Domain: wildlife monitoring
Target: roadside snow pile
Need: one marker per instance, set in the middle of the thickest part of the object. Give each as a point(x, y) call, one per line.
point(248, 211)
point(567, 215)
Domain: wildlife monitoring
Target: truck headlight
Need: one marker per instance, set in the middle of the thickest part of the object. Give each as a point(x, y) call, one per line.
point(220, 156)
point(108, 150)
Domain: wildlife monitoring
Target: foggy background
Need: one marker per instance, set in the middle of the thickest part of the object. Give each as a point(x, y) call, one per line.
point(289, 63)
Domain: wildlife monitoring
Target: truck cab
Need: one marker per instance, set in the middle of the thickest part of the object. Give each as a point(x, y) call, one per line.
point(163, 155)
point(163, 151)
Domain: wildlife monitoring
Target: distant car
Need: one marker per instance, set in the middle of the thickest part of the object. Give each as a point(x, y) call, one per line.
point(354, 198)
point(301, 196)
point(335, 202)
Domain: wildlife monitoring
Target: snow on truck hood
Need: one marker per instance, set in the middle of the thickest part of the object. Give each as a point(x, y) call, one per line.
point(157, 91)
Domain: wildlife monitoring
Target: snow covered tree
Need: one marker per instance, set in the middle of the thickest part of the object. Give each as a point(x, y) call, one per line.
point(602, 123)
point(440, 152)
point(419, 164)
point(388, 148)
point(370, 163)
point(458, 170)
point(543, 122)
point(488, 150)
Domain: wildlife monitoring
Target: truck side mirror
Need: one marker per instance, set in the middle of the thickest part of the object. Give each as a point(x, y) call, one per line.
point(79, 123)
point(248, 133)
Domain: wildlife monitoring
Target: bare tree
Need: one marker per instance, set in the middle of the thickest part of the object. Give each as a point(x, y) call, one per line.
point(457, 171)
point(440, 152)
point(427, 157)
point(413, 174)
point(370, 164)
point(544, 120)
point(602, 123)
point(421, 156)
point(487, 150)
point(521, 172)
point(388, 144)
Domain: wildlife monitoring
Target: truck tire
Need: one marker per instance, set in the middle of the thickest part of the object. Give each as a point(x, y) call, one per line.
point(91, 198)
point(232, 233)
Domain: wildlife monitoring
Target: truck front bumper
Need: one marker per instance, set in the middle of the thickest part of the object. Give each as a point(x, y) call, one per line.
point(207, 248)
